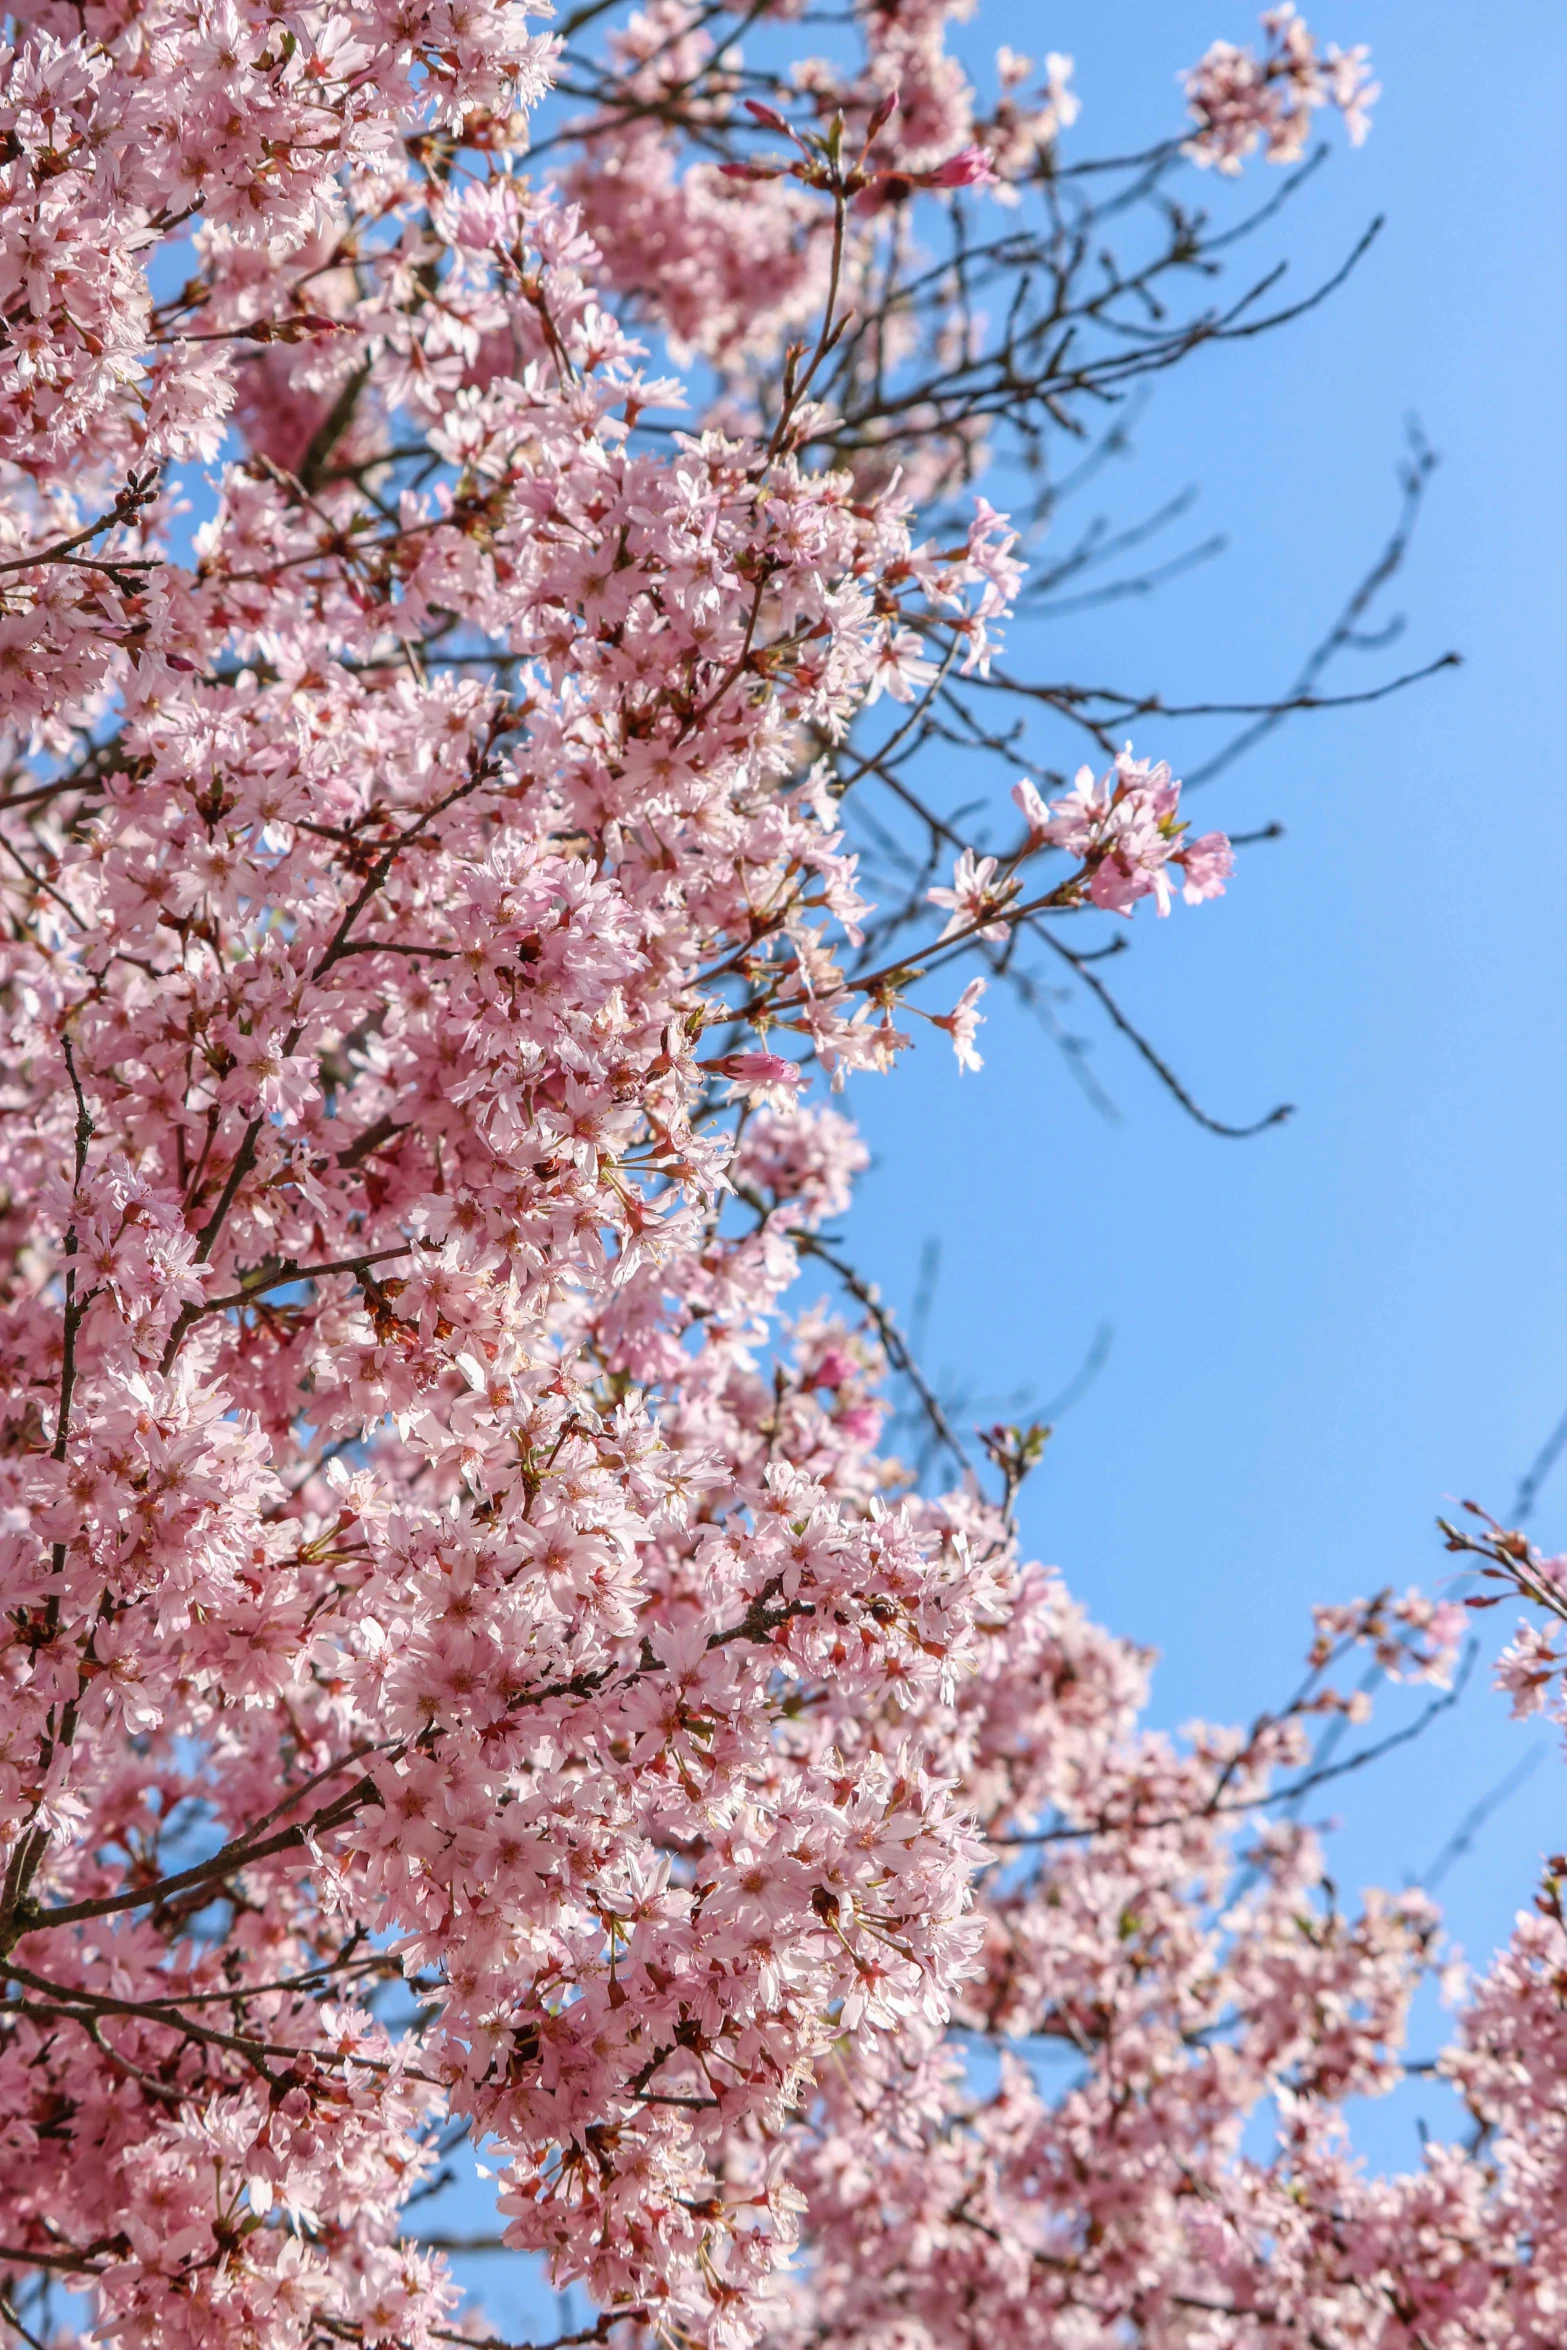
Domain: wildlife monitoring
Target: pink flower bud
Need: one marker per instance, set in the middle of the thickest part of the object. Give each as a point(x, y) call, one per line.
point(971, 167)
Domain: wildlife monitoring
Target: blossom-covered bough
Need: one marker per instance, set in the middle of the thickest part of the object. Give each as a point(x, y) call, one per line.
point(468, 1669)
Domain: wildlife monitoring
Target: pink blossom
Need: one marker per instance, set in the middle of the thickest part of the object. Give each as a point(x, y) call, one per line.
point(976, 893)
point(1208, 863)
point(972, 168)
point(962, 1023)
point(1526, 1668)
point(1033, 809)
point(765, 1076)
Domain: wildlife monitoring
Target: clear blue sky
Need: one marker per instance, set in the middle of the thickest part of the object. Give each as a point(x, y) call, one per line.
point(1320, 1335)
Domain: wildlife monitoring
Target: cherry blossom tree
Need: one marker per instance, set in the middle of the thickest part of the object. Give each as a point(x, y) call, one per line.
point(485, 504)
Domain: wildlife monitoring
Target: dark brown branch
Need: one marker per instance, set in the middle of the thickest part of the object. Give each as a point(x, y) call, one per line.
point(288, 1274)
point(64, 2000)
point(138, 491)
point(1160, 1067)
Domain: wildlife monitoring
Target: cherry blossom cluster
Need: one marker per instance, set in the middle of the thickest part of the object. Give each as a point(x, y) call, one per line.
point(467, 1666)
point(1125, 829)
point(1123, 833)
point(1241, 100)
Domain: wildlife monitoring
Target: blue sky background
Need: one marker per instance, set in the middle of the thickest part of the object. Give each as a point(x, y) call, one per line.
point(1322, 1335)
